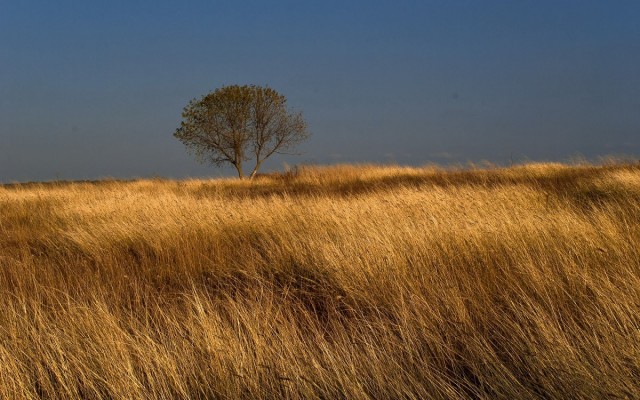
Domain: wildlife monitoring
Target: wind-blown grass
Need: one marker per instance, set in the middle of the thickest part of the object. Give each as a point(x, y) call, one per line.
point(335, 282)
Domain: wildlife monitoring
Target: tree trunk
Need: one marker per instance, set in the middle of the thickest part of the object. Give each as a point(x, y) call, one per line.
point(255, 170)
point(238, 166)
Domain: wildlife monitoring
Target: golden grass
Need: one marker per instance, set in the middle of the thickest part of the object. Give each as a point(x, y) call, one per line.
point(335, 282)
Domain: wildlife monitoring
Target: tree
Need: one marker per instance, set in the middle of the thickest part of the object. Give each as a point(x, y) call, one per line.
point(234, 124)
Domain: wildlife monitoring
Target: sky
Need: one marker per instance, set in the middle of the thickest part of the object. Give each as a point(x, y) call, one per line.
point(95, 89)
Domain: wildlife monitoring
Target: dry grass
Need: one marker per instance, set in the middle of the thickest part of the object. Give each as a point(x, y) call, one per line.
point(341, 282)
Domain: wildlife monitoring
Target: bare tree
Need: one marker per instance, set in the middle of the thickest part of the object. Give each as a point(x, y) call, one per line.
point(234, 124)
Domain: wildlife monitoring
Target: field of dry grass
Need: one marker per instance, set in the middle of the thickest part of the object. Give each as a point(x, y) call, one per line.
point(338, 282)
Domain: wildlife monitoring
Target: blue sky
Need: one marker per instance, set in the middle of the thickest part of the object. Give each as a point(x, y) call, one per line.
point(95, 89)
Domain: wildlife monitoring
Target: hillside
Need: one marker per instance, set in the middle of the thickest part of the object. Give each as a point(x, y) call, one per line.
point(326, 282)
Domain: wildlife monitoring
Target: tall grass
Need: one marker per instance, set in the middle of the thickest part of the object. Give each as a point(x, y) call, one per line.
point(337, 282)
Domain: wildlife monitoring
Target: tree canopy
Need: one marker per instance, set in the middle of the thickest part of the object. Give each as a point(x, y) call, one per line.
point(234, 124)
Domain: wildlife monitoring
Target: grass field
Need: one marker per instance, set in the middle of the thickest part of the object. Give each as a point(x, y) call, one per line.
point(335, 282)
